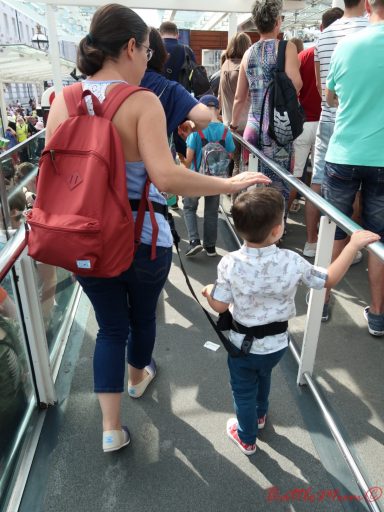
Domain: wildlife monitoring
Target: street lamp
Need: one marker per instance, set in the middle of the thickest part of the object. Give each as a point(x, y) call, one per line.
point(40, 39)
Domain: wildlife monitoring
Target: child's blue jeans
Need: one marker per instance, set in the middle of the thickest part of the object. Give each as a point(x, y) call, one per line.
point(251, 383)
point(125, 308)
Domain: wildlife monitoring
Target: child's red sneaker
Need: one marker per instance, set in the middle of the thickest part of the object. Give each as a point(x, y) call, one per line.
point(248, 449)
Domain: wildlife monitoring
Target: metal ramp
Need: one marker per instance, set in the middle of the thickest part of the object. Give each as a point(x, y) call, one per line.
point(180, 457)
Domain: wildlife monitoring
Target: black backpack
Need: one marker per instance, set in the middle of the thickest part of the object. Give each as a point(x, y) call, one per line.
point(286, 116)
point(192, 77)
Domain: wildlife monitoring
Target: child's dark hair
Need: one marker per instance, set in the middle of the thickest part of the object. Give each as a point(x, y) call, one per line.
point(257, 212)
point(160, 54)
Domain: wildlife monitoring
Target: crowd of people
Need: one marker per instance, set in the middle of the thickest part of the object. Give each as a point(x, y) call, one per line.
point(167, 136)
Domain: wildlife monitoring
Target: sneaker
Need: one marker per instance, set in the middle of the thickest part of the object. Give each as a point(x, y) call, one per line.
point(261, 422)
point(138, 390)
point(115, 439)
point(211, 251)
point(357, 258)
point(325, 313)
point(194, 247)
point(248, 449)
point(375, 323)
point(310, 249)
point(326, 308)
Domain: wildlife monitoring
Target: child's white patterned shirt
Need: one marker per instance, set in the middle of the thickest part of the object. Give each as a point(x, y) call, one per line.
point(260, 286)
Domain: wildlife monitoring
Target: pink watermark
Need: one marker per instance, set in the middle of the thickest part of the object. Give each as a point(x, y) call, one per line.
point(311, 495)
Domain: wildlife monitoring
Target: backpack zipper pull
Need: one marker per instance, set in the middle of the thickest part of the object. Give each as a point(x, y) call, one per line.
point(52, 151)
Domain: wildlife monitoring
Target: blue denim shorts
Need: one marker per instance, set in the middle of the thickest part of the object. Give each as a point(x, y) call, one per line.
point(340, 185)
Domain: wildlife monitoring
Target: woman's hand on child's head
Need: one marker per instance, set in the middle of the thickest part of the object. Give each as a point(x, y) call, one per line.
point(206, 291)
point(247, 179)
point(362, 238)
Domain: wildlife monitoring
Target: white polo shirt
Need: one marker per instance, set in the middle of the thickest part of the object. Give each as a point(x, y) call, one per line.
point(260, 286)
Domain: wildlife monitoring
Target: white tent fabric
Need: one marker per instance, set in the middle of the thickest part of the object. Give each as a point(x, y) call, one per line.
point(22, 63)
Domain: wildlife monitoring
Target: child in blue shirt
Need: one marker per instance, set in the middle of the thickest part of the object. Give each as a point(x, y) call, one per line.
point(213, 133)
point(258, 284)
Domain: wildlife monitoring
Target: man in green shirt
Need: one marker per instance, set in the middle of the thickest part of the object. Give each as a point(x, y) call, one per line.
point(355, 156)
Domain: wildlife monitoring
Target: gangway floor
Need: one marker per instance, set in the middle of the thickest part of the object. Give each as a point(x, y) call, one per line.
point(180, 458)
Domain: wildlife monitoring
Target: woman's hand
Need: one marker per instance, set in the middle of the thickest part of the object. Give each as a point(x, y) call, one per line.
point(246, 179)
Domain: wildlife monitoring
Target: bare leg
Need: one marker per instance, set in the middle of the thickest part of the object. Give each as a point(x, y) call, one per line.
point(376, 284)
point(110, 409)
point(338, 246)
point(292, 197)
point(312, 217)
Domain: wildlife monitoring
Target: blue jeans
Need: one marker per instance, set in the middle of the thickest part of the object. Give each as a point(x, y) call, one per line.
point(340, 185)
point(125, 308)
point(211, 214)
point(251, 383)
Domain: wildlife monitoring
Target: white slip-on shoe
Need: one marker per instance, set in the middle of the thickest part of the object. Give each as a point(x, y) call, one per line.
point(138, 390)
point(115, 439)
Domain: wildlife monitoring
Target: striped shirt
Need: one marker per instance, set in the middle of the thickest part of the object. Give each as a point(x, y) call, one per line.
point(326, 43)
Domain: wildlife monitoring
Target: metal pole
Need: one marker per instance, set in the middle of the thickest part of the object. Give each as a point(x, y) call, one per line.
point(54, 48)
point(232, 25)
point(3, 108)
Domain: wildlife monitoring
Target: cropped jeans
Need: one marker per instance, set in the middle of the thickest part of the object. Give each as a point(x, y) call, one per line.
point(251, 383)
point(125, 308)
point(211, 215)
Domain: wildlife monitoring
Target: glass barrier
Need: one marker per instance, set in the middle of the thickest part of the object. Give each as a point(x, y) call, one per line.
point(18, 168)
point(17, 395)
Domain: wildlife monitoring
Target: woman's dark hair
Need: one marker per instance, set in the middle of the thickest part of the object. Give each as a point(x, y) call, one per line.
point(160, 54)
point(238, 45)
point(265, 14)
point(257, 212)
point(112, 26)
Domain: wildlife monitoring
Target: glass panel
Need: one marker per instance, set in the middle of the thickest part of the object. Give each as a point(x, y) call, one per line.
point(56, 289)
point(19, 169)
point(17, 399)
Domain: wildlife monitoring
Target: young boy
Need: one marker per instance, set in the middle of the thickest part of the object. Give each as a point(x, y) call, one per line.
point(213, 133)
point(258, 284)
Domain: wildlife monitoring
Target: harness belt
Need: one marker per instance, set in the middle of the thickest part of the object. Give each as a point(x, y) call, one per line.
point(157, 207)
point(226, 323)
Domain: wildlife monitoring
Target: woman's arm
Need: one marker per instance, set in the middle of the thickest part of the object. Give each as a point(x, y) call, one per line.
point(292, 67)
point(200, 115)
point(242, 90)
point(164, 173)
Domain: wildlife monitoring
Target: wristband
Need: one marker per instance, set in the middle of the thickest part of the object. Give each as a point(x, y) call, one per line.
point(233, 127)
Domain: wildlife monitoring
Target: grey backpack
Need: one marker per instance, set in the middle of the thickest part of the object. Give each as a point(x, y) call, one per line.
point(214, 158)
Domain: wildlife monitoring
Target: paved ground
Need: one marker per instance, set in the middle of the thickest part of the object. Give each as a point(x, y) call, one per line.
point(180, 458)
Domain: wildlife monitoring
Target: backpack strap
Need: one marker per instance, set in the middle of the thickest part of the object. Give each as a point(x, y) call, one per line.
point(173, 59)
point(204, 140)
point(72, 96)
point(115, 98)
point(146, 204)
point(280, 61)
point(224, 136)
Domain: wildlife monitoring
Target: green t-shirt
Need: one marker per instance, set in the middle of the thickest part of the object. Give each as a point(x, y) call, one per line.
point(356, 74)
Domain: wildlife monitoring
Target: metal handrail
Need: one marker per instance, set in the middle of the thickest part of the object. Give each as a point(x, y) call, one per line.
point(339, 218)
point(12, 250)
point(20, 146)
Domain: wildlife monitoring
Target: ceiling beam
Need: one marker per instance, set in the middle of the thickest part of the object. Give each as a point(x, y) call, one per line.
point(173, 14)
point(215, 21)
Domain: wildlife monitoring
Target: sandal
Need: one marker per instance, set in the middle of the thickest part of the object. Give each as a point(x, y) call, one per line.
point(295, 206)
point(138, 390)
point(115, 439)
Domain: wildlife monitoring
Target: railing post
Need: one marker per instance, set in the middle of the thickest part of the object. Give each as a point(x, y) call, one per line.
point(316, 301)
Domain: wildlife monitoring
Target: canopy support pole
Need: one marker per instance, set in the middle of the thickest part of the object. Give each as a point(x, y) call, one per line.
point(54, 48)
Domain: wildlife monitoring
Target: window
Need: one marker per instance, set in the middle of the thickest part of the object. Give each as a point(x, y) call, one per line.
point(6, 24)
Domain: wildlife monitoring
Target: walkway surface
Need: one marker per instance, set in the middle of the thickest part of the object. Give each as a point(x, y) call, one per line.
point(180, 458)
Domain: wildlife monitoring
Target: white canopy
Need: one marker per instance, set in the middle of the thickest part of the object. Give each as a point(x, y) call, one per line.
point(22, 63)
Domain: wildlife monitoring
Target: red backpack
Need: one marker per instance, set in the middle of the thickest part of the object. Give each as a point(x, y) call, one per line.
point(82, 219)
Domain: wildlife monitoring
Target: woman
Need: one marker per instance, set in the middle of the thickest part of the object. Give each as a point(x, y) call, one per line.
point(229, 76)
point(117, 50)
point(256, 70)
